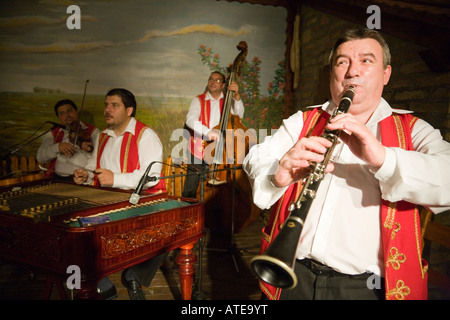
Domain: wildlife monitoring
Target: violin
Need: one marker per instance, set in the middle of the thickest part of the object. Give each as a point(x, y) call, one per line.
point(79, 135)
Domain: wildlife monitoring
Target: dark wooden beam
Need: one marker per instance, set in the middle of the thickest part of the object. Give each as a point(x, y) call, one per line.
point(400, 22)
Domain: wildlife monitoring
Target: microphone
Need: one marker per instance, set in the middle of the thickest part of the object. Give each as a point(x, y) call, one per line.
point(135, 196)
point(56, 124)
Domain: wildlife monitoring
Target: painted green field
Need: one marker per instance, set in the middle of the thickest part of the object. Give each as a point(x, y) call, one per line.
point(24, 113)
point(23, 116)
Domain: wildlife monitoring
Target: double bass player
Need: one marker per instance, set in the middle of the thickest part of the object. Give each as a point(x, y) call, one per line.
point(204, 114)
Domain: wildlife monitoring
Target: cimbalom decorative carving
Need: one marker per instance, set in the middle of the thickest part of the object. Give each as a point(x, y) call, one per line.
point(119, 243)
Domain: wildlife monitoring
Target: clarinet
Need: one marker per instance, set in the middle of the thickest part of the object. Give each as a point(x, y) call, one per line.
point(276, 265)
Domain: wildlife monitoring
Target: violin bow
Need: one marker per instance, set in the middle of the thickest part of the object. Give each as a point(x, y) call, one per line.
point(80, 113)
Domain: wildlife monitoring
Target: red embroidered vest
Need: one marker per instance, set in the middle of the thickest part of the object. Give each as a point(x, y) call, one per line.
point(405, 270)
point(58, 135)
point(129, 155)
point(196, 145)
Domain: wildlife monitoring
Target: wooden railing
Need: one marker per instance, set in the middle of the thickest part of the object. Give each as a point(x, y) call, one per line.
point(15, 170)
point(174, 185)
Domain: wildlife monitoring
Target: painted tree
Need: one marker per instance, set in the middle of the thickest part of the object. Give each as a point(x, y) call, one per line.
point(261, 112)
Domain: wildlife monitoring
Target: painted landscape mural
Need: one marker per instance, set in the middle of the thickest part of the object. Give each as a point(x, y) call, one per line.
point(162, 51)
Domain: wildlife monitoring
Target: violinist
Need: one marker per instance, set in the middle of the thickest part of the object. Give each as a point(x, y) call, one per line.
point(60, 150)
point(204, 114)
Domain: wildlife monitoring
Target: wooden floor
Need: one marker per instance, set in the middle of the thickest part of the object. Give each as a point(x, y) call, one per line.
point(225, 273)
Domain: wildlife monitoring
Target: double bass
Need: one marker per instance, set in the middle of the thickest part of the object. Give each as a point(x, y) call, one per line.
point(227, 191)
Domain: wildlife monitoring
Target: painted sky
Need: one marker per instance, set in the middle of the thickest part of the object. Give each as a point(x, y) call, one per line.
point(147, 46)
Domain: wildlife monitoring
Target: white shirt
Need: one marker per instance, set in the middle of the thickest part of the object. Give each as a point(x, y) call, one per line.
point(150, 149)
point(64, 166)
point(193, 115)
point(342, 229)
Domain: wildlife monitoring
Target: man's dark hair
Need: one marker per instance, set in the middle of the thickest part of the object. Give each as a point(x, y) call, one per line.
point(127, 97)
point(63, 102)
point(219, 73)
point(362, 33)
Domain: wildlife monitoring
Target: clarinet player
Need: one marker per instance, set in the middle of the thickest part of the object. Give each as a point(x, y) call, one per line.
point(361, 224)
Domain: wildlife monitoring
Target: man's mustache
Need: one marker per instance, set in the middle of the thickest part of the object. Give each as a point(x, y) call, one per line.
point(354, 81)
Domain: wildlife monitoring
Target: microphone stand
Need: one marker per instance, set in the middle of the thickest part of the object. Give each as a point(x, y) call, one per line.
point(232, 249)
point(27, 142)
point(19, 146)
point(203, 175)
point(199, 295)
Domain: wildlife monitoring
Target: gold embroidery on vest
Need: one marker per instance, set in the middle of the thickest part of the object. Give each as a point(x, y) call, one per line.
point(127, 151)
point(400, 131)
point(395, 258)
point(423, 270)
point(140, 134)
point(103, 138)
point(138, 140)
point(390, 216)
point(274, 226)
point(395, 230)
point(400, 291)
point(205, 113)
point(312, 124)
point(413, 121)
point(267, 292)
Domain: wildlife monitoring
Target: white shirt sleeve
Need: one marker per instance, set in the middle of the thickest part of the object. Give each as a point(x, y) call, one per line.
point(421, 176)
point(261, 162)
point(238, 108)
point(193, 116)
point(48, 150)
